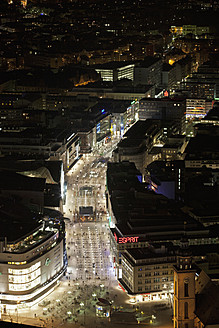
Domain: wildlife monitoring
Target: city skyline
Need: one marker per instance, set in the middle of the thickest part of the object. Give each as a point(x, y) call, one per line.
point(109, 165)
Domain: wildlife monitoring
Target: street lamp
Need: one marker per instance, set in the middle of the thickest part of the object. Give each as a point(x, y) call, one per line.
point(58, 302)
point(82, 305)
point(69, 314)
point(45, 311)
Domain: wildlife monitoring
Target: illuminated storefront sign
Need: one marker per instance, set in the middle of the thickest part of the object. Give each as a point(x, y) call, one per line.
point(125, 240)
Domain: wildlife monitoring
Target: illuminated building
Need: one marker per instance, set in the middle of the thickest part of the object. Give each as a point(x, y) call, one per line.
point(24, 3)
point(174, 147)
point(49, 144)
point(176, 30)
point(101, 131)
point(114, 71)
point(148, 271)
point(139, 216)
point(189, 29)
point(146, 229)
point(136, 143)
point(200, 88)
point(205, 82)
point(32, 257)
point(197, 108)
point(112, 92)
point(141, 144)
point(164, 109)
point(148, 71)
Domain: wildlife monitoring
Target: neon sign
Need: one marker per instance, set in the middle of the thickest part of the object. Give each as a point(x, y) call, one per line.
point(166, 94)
point(125, 240)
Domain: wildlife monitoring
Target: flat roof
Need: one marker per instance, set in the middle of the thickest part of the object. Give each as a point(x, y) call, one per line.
point(147, 62)
point(45, 135)
point(142, 129)
point(147, 252)
point(16, 220)
point(203, 144)
point(128, 143)
point(110, 106)
point(168, 250)
point(113, 64)
point(165, 99)
point(151, 216)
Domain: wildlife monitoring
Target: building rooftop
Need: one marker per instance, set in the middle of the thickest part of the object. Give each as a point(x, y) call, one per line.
point(164, 171)
point(162, 249)
point(203, 145)
point(128, 143)
point(147, 62)
point(207, 305)
point(166, 67)
point(42, 136)
point(213, 114)
point(148, 252)
point(13, 181)
point(105, 105)
point(165, 99)
point(143, 129)
point(49, 170)
point(16, 220)
point(113, 65)
point(141, 212)
point(122, 176)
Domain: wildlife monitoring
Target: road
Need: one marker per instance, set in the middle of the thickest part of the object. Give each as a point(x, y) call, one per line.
point(88, 252)
point(86, 190)
point(90, 273)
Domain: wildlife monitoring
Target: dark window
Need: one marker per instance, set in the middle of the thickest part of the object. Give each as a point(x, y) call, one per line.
point(186, 289)
point(186, 310)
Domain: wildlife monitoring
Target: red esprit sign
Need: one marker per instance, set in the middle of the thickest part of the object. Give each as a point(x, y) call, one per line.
point(124, 240)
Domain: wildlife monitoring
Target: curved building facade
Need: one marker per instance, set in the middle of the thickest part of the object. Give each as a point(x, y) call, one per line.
point(31, 266)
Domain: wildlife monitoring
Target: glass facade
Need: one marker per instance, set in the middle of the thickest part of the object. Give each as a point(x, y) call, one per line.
point(24, 279)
